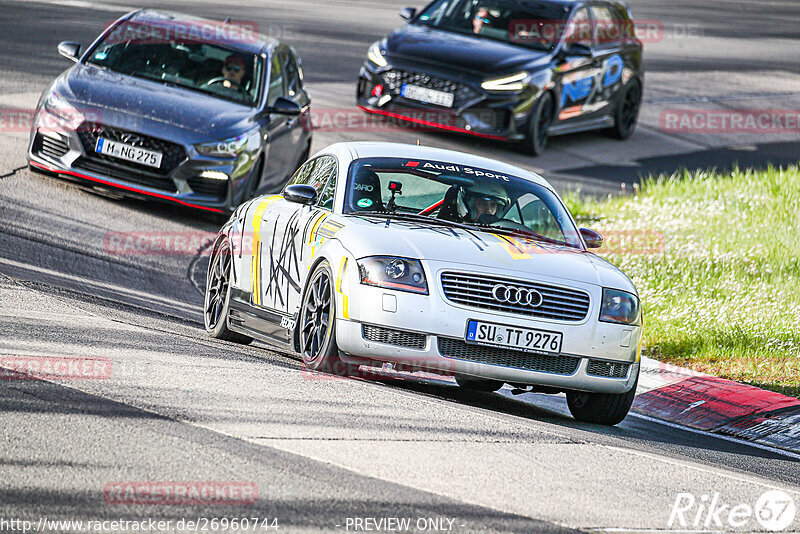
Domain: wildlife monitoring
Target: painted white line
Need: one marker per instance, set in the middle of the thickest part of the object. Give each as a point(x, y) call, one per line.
point(731, 439)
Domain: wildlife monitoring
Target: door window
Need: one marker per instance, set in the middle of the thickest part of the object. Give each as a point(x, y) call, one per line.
point(579, 29)
point(276, 85)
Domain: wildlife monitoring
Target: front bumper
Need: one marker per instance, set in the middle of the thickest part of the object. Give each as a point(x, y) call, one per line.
point(428, 331)
point(475, 112)
point(193, 181)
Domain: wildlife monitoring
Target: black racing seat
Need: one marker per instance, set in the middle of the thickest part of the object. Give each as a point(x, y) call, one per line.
point(366, 194)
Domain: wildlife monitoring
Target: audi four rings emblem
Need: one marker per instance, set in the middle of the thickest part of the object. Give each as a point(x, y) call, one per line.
point(517, 295)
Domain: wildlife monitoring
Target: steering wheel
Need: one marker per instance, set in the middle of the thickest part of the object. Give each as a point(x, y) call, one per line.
point(222, 79)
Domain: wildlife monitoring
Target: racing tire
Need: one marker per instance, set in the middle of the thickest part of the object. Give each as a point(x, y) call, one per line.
point(317, 325)
point(627, 112)
point(218, 296)
point(600, 408)
point(478, 384)
point(539, 124)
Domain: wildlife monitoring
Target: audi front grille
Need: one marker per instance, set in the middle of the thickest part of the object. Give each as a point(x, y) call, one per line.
point(478, 291)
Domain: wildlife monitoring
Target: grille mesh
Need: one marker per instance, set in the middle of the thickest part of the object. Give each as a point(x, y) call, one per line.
point(203, 186)
point(172, 153)
point(607, 369)
point(122, 172)
point(458, 349)
point(50, 146)
point(389, 336)
point(475, 290)
point(395, 78)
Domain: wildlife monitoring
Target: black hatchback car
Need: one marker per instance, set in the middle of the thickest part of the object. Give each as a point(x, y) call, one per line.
point(177, 109)
point(516, 70)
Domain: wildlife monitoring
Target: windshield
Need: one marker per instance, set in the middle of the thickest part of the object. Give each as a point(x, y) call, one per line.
point(529, 23)
point(449, 192)
point(156, 52)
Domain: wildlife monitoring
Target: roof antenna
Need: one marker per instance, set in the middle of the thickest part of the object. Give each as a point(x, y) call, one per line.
point(227, 20)
point(417, 142)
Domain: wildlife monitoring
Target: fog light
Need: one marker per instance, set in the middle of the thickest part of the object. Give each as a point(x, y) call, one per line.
point(214, 175)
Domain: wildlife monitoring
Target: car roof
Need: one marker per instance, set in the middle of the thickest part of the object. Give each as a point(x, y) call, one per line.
point(252, 42)
point(374, 149)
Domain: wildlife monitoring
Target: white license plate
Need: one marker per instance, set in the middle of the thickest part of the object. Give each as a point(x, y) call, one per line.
point(514, 337)
point(431, 96)
point(128, 152)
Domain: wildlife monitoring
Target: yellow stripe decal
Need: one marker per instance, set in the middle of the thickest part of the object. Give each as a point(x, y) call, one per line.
point(515, 248)
point(255, 258)
point(321, 218)
point(345, 300)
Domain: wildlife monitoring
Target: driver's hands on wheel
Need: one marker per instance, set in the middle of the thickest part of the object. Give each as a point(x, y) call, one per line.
point(233, 71)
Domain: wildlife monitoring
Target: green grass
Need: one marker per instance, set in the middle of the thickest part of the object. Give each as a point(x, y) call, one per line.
point(716, 259)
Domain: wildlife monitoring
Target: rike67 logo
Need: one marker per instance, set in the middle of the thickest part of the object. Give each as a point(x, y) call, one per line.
point(774, 510)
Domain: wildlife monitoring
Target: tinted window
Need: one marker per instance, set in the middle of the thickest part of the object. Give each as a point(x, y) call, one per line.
point(608, 29)
point(579, 30)
point(316, 173)
point(276, 85)
point(152, 51)
point(293, 82)
point(529, 23)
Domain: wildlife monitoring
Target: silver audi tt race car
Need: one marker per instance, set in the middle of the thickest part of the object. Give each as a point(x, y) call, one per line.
point(430, 260)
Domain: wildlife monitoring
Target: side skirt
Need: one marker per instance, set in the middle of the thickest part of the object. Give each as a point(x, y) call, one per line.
point(264, 325)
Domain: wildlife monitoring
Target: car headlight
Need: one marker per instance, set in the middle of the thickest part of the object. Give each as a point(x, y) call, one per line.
point(619, 307)
point(376, 56)
point(402, 274)
point(514, 82)
point(55, 105)
point(226, 148)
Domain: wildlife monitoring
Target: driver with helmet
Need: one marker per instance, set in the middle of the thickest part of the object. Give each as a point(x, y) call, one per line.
point(484, 202)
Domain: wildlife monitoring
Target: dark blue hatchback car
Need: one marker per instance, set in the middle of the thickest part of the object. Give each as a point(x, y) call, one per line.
point(516, 70)
point(175, 108)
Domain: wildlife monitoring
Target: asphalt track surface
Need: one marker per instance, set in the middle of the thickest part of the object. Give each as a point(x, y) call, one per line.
point(181, 406)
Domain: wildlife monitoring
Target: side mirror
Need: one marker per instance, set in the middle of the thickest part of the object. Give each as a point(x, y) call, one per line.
point(300, 193)
point(591, 238)
point(284, 106)
point(70, 50)
point(578, 49)
point(407, 13)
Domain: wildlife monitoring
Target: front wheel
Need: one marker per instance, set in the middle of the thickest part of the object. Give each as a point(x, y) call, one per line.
point(539, 125)
point(601, 408)
point(218, 296)
point(318, 325)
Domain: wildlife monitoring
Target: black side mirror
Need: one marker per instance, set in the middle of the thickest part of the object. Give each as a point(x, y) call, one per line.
point(591, 238)
point(300, 193)
point(578, 49)
point(284, 106)
point(407, 13)
point(70, 50)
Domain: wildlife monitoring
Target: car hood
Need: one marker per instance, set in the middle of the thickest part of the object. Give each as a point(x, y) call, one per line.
point(372, 236)
point(91, 87)
point(464, 52)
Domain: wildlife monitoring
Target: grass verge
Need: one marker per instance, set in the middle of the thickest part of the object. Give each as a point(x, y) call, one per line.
point(716, 259)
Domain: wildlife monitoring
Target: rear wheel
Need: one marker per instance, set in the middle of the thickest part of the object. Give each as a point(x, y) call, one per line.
point(539, 124)
point(218, 296)
point(318, 325)
point(627, 112)
point(478, 384)
point(600, 408)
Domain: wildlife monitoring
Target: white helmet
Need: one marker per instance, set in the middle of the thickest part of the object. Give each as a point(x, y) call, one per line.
point(485, 190)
